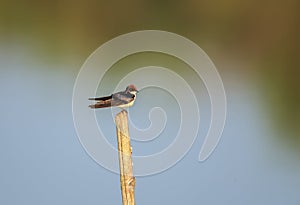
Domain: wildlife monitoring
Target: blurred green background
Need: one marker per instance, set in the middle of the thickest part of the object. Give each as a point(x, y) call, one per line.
point(255, 46)
point(261, 38)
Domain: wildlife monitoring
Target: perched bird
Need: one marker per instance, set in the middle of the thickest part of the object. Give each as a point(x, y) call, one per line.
point(121, 99)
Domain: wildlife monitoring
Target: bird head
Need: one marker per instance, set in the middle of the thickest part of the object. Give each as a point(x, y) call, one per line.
point(131, 89)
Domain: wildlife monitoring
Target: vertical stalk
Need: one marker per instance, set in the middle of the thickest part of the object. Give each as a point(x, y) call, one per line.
point(125, 159)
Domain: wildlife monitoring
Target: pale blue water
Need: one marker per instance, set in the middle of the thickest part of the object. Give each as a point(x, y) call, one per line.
point(43, 162)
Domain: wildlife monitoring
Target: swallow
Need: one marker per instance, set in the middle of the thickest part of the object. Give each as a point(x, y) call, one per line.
point(121, 99)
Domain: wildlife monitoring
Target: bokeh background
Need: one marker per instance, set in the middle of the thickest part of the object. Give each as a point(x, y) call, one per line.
point(255, 46)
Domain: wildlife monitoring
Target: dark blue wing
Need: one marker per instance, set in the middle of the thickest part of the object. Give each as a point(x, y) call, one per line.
point(122, 98)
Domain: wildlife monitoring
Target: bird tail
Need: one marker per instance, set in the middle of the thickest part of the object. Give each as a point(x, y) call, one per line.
point(100, 105)
point(101, 98)
point(102, 102)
